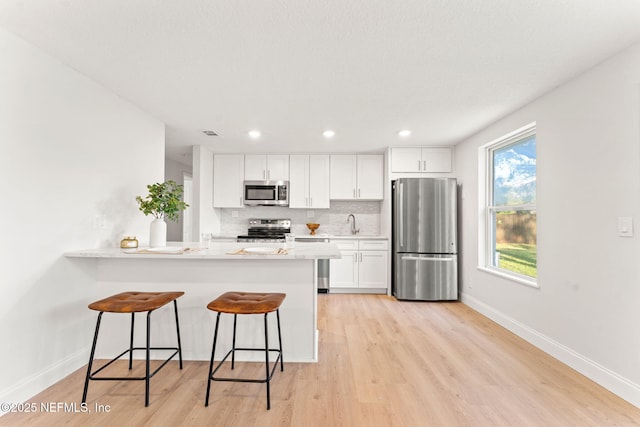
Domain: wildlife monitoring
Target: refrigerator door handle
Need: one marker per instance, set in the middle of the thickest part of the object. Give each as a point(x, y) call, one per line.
point(418, 258)
point(400, 202)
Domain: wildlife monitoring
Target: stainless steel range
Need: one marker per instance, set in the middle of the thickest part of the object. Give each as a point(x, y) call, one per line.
point(266, 230)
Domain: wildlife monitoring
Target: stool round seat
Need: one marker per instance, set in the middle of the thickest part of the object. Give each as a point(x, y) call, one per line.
point(247, 302)
point(134, 302)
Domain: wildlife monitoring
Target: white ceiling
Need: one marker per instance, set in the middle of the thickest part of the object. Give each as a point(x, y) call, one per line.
point(293, 68)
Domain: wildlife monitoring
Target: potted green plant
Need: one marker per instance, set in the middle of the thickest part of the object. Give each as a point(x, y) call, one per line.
point(163, 201)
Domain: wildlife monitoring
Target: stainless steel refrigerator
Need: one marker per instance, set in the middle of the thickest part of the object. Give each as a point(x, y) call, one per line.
point(424, 244)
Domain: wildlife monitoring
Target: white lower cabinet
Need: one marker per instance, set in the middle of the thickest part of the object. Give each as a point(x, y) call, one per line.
point(363, 266)
point(372, 269)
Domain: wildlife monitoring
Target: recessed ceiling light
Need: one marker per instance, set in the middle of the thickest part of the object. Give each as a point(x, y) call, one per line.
point(404, 133)
point(255, 134)
point(328, 133)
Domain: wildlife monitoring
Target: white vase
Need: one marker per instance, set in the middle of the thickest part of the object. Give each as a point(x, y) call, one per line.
point(158, 236)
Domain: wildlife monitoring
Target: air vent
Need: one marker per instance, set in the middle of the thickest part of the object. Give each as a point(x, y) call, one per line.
point(209, 133)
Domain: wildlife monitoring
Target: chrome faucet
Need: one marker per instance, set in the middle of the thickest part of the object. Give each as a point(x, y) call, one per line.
point(354, 230)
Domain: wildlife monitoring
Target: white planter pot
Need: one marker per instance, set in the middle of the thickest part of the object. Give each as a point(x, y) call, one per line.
point(158, 236)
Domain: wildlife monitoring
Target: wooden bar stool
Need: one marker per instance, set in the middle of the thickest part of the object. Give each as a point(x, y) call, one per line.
point(246, 303)
point(133, 302)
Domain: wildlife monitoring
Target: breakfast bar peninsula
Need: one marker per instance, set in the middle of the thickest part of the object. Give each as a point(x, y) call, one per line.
point(204, 274)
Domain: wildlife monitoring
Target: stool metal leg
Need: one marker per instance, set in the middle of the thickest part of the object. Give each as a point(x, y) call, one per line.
point(269, 370)
point(175, 309)
point(133, 318)
point(147, 364)
point(233, 344)
point(93, 352)
point(266, 353)
point(213, 351)
point(147, 348)
point(280, 341)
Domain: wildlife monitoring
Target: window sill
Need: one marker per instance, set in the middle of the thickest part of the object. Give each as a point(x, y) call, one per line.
point(518, 279)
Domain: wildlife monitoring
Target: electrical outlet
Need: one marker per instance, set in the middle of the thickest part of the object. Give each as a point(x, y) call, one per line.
point(311, 214)
point(625, 226)
point(234, 214)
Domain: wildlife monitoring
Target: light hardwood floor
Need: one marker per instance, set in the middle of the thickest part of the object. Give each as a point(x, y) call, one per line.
point(382, 363)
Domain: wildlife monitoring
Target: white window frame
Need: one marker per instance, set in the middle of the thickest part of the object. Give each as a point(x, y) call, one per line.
point(486, 232)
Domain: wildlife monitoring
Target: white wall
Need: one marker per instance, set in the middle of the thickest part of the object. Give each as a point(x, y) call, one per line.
point(587, 309)
point(175, 171)
point(206, 219)
point(74, 157)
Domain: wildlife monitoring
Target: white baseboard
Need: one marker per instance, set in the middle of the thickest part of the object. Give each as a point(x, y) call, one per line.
point(37, 382)
point(617, 384)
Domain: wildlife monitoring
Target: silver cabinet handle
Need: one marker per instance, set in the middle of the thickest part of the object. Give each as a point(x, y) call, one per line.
point(419, 166)
point(358, 193)
point(310, 202)
point(354, 193)
point(424, 165)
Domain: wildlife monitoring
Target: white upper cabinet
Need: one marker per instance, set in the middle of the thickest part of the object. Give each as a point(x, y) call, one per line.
point(228, 179)
point(370, 177)
point(356, 177)
point(343, 176)
point(263, 167)
point(420, 159)
point(298, 180)
point(309, 181)
point(319, 168)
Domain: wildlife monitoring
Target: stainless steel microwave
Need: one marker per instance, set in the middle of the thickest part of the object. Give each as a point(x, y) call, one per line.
point(266, 193)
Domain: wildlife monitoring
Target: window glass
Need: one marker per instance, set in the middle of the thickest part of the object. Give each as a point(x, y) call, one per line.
point(511, 205)
point(514, 173)
point(515, 241)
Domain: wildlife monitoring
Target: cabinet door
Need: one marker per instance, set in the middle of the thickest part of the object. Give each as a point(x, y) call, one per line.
point(298, 181)
point(406, 159)
point(372, 269)
point(436, 160)
point(319, 181)
point(278, 167)
point(344, 271)
point(228, 177)
point(255, 167)
point(343, 176)
point(370, 177)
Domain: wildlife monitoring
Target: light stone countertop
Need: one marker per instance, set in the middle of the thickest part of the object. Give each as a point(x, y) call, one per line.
point(217, 250)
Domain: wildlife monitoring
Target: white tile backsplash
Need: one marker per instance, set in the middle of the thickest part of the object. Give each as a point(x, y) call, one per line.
point(332, 220)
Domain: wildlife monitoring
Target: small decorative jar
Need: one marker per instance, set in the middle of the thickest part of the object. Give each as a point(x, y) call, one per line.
point(129, 242)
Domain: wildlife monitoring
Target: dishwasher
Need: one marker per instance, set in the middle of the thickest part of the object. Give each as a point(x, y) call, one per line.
point(323, 264)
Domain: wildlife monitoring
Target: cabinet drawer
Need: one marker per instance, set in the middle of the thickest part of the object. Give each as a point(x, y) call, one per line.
point(346, 244)
point(374, 245)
